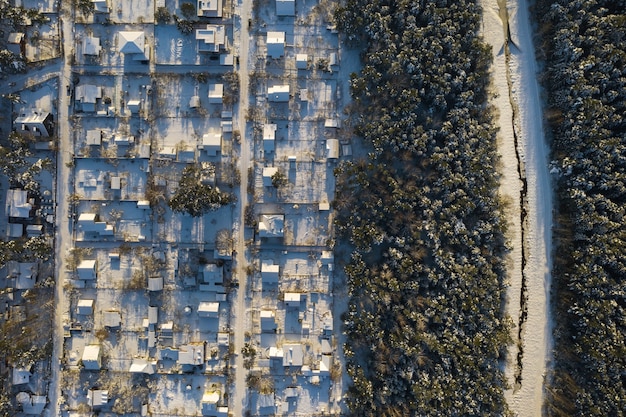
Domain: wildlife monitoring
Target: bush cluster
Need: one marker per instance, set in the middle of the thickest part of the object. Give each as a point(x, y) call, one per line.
point(585, 47)
point(426, 331)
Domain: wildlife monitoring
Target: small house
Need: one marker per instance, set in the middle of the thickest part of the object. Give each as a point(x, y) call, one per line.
point(292, 299)
point(85, 307)
point(271, 225)
point(112, 319)
point(209, 309)
point(211, 143)
point(268, 173)
point(97, 398)
point(268, 321)
point(91, 46)
point(21, 375)
point(94, 137)
point(278, 94)
point(269, 271)
point(86, 96)
point(19, 205)
point(133, 44)
point(155, 283)
point(302, 61)
point(209, 8)
point(211, 39)
point(35, 122)
point(293, 354)
point(86, 269)
point(142, 366)
point(16, 43)
point(191, 354)
point(92, 357)
point(216, 93)
point(332, 148)
point(269, 136)
point(275, 44)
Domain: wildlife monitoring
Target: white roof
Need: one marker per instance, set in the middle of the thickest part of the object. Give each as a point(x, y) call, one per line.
point(216, 92)
point(131, 42)
point(94, 137)
point(292, 355)
point(112, 318)
point(87, 217)
point(142, 366)
point(17, 203)
point(91, 46)
point(208, 307)
point(97, 397)
point(88, 93)
point(276, 37)
point(210, 8)
point(271, 225)
point(268, 172)
point(211, 39)
point(155, 283)
point(91, 354)
point(332, 147)
point(269, 131)
point(292, 298)
point(87, 264)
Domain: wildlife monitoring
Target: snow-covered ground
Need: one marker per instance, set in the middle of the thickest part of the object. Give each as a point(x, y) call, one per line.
point(524, 158)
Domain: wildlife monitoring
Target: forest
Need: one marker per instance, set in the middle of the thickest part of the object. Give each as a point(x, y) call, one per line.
point(584, 47)
point(425, 325)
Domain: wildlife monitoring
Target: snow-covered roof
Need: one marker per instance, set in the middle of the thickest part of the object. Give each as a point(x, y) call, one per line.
point(292, 354)
point(91, 357)
point(131, 42)
point(112, 319)
point(97, 397)
point(271, 225)
point(268, 172)
point(211, 39)
point(91, 46)
point(142, 366)
point(18, 204)
point(210, 8)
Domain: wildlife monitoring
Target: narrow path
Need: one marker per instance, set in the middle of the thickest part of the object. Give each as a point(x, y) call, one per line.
point(526, 186)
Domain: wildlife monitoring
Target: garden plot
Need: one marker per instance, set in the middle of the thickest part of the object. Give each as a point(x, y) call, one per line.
point(101, 180)
point(43, 41)
point(114, 220)
point(183, 394)
point(41, 97)
point(103, 45)
point(132, 11)
point(174, 48)
point(43, 6)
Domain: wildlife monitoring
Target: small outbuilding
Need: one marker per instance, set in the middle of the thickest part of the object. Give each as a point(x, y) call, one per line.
point(86, 270)
point(85, 307)
point(92, 357)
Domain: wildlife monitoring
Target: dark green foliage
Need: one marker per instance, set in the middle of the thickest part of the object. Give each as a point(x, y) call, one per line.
point(584, 43)
point(162, 15)
point(425, 325)
point(184, 26)
point(188, 10)
point(195, 198)
point(86, 7)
